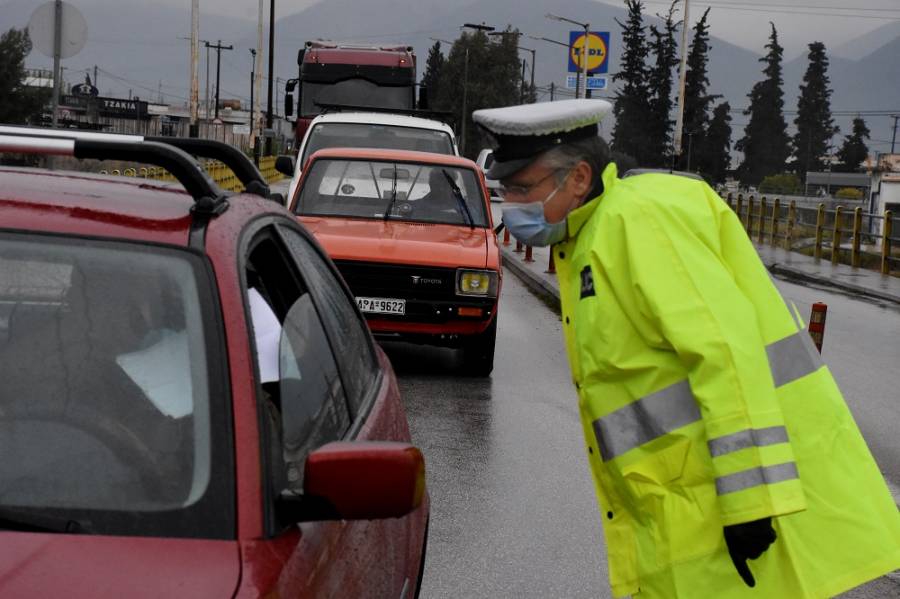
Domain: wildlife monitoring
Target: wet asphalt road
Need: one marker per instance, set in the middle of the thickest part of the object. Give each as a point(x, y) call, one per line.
point(862, 349)
point(513, 508)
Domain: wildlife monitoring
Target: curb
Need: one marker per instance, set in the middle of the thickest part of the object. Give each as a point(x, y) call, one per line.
point(550, 294)
point(535, 283)
point(798, 275)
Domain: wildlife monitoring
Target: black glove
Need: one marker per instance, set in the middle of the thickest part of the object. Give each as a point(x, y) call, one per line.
point(746, 541)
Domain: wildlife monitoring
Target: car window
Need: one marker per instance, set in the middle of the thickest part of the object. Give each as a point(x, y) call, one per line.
point(346, 329)
point(105, 401)
point(369, 135)
point(306, 405)
point(405, 191)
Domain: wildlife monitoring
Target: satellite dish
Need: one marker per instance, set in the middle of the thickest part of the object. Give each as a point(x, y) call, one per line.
point(41, 29)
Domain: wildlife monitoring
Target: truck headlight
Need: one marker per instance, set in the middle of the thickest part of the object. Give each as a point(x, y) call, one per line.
point(480, 283)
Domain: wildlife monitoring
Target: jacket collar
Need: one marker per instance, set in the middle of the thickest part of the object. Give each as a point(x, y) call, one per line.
point(578, 217)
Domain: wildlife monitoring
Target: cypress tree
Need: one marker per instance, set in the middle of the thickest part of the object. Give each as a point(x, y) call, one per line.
point(432, 77)
point(815, 127)
point(697, 100)
point(718, 144)
point(632, 106)
point(854, 151)
point(660, 125)
point(766, 145)
point(494, 79)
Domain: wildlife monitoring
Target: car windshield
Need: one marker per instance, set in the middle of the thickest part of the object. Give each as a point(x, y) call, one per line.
point(392, 191)
point(368, 135)
point(105, 403)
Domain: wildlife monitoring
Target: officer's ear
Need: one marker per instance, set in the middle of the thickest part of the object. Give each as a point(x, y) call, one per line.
point(581, 179)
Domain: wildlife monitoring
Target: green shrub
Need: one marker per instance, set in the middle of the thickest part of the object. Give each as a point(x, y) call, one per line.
point(785, 183)
point(849, 193)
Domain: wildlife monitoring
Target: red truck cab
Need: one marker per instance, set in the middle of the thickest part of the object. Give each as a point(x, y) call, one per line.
point(350, 75)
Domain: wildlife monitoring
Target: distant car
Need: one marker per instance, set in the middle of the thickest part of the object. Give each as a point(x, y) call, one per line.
point(484, 161)
point(191, 405)
point(369, 130)
point(411, 233)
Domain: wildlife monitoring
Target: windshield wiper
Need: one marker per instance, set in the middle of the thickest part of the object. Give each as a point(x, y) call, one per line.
point(390, 206)
point(27, 521)
point(459, 197)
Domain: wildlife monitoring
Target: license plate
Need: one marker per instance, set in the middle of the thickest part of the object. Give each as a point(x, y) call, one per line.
point(381, 305)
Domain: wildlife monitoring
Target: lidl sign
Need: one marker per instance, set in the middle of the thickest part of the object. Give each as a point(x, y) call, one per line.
point(597, 44)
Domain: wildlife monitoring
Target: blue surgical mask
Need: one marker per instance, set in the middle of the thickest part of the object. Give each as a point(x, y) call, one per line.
point(526, 223)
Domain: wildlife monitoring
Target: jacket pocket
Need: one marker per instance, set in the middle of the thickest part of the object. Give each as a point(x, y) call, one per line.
point(659, 465)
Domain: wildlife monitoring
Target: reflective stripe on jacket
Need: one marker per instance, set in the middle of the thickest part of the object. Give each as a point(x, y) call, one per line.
point(705, 404)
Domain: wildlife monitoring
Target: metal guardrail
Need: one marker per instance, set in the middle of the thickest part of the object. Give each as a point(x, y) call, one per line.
point(870, 235)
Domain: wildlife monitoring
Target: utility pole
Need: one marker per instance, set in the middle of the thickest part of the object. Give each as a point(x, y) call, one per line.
point(522, 86)
point(57, 52)
point(207, 82)
point(257, 82)
point(679, 120)
point(252, 82)
point(194, 129)
point(552, 89)
point(269, 115)
point(894, 136)
point(218, 48)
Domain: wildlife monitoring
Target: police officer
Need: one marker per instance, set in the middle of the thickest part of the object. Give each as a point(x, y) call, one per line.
point(714, 432)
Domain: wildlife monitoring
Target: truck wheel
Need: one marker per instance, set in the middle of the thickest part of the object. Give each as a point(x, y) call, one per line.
point(478, 352)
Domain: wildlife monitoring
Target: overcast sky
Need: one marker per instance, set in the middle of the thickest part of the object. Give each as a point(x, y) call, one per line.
point(743, 22)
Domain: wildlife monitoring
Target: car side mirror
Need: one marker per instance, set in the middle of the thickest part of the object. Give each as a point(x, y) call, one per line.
point(284, 164)
point(358, 480)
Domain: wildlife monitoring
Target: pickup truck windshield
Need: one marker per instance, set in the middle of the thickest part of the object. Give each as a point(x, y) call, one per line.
point(393, 191)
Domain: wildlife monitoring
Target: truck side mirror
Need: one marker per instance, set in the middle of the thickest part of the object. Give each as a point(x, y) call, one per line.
point(288, 104)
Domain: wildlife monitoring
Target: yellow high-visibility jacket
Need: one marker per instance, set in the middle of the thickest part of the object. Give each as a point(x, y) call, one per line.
point(705, 404)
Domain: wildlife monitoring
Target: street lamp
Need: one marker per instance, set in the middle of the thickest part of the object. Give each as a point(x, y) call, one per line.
point(584, 48)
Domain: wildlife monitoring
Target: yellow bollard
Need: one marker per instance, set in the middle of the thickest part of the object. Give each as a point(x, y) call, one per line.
point(792, 218)
point(776, 210)
point(750, 217)
point(760, 234)
point(854, 246)
point(820, 225)
point(836, 235)
point(886, 243)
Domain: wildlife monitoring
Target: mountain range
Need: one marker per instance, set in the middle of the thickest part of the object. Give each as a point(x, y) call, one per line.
point(138, 48)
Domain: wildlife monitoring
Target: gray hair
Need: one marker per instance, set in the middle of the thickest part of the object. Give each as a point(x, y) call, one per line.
point(564, 157)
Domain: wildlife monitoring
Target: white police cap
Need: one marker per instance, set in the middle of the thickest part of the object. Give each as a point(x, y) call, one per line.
point(521, 133)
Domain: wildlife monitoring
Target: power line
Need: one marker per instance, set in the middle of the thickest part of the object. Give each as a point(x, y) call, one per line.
point(779, 10)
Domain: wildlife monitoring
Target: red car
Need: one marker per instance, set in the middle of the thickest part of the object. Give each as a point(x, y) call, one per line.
point(191, 404)
point(411, 233)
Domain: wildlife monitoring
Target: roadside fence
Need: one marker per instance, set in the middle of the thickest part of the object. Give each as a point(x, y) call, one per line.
point(221, 174)
point(844, 235)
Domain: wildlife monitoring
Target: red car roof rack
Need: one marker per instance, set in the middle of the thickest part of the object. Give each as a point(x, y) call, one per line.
point(240, 165)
